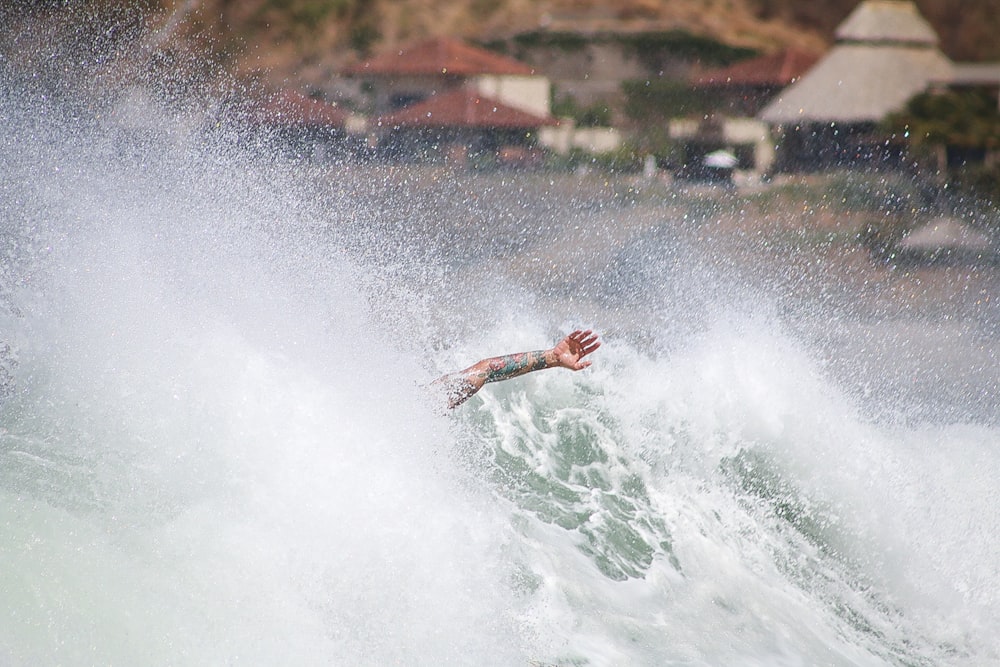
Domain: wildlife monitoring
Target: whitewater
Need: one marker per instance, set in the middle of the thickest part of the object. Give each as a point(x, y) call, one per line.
point(219, 443)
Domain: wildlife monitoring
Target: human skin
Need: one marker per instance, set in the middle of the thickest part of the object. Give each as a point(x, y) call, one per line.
point(568, 353)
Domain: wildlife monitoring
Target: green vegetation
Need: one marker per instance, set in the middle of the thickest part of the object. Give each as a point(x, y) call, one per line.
point(363, 36)
point(884, 195)
point(658, 100)
point(624, 160)
point(967, 119)
point(684, 45)
point(564, 41)
point(979, 182)
point(595, 115)
point(958, 130)
point(650, 47)
point(655, 140)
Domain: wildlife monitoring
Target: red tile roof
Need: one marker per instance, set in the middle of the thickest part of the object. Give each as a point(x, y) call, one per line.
point(441, 56)
point(290, 107)
point(776, 69)
point(462, 108)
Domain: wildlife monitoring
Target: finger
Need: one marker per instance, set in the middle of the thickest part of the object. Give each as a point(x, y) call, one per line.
point(590, 342)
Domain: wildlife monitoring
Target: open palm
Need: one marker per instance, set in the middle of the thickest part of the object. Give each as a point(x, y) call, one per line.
point(571, 350)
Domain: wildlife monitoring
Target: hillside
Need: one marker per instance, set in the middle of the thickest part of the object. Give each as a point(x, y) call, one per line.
point(305, 41)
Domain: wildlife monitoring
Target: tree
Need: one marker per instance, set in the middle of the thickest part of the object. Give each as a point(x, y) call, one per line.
point(964, 119)
point(952, 127)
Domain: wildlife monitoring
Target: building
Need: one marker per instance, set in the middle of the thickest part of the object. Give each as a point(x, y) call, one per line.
point(885, 53)
point(740, 91)
point(975, 78)
point(413, 73)
point(460, 126)
point(446, 99)
point(744, 87)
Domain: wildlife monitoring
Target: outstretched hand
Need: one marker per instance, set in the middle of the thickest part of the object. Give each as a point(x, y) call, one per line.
point(570, 351)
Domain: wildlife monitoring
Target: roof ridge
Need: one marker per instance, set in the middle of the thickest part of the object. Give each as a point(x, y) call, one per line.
point(441, 56)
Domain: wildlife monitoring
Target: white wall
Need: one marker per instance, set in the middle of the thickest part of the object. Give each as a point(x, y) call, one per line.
point(567, 136)
point(734, 131)
point(527, 93)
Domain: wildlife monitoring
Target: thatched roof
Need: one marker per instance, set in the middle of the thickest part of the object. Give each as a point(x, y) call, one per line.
point(886, 21)
point(887, 54)
point(858, 83)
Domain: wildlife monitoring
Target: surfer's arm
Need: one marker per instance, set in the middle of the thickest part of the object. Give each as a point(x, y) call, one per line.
point(567, 353)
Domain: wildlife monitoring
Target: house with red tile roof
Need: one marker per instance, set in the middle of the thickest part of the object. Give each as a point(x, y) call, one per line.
point(441, 55)
point(409, 74)
point(443, 93)
point(748, 85)
point(460, 124)
point(462, 108)
point(738, 91)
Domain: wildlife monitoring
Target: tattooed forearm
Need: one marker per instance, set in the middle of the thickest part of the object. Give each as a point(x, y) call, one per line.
point(568, 353)
point(512, 365)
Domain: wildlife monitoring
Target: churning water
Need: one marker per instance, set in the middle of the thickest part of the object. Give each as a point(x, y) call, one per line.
point(218, 444)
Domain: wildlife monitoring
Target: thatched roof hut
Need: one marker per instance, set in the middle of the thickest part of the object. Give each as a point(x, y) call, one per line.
point(885, 54)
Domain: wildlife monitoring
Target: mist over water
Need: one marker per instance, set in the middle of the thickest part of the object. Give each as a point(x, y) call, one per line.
point(218, 443)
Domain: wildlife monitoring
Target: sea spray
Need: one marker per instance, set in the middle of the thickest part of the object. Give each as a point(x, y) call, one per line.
point(219, 441)
point(210, 453)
